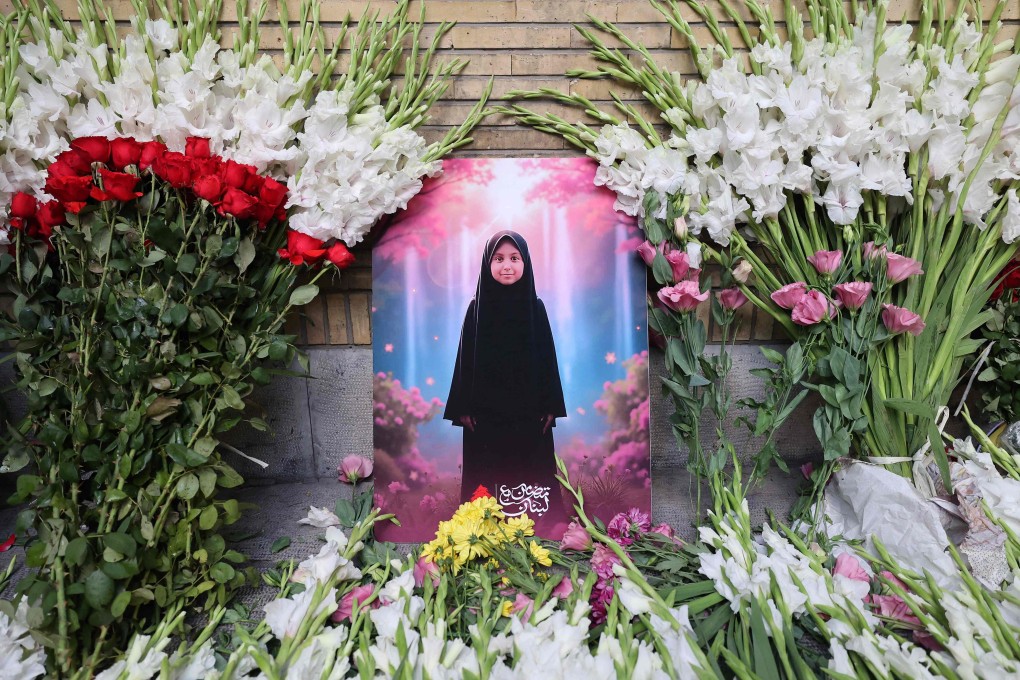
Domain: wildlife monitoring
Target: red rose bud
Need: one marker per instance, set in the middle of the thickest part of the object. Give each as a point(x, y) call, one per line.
point(273, 193)
point(236, 175)
point(95, 149)
point(209, 187)
point(253, 184)
point(339, 255)
point(302, 249)
point(71, 162)
point(237, 203)
point(70, 189)
point(117, 186)
point(125, 151)
point(150, 152)
point(197, 147)
point(23, 205)
point(51, 214)
point(173, 167)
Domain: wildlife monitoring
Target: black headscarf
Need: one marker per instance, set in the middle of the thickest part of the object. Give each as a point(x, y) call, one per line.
point(506, 364)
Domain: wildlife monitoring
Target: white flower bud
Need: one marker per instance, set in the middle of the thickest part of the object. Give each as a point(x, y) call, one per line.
point(680, 228)
point(742, 271)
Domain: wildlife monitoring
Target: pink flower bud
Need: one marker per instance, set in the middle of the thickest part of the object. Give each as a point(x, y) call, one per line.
point(575, 538)
point(424, 568)
point(812, 308)
point(872, 251)
point(683, 297)
point(680, 264)
point(647, 252)
point(789, 295)
point(899, 267)
point(564, 588)
point(742, 271)
point(900, 320)
point(732, 298)
point(826, 261)
point(854, 294)
point(352, 468)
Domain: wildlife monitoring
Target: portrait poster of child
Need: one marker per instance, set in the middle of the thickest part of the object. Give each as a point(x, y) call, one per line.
point(509, 327)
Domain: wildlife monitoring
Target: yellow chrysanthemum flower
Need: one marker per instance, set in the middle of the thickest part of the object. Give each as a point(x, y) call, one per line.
point(520, 527)
point(488, 507)
point(539, 554)
point(469, 541)
point(507, 608)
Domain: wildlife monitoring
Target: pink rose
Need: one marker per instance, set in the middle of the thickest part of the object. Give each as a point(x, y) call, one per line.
point(812, 308)
point(732, 298)
point(356, 597)
point(849, 566)
point(899, 267)
point(681, 265)
point(826, 261)
point(647, 252)
point(352, 468)
point(575, 538)
point(854, 294)
point(900, 320)
point(683, 297)
point(789, 295)
point(424, 568)
point(872, 251)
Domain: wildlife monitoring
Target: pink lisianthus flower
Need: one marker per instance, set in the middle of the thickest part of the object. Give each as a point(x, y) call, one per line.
point(423, 569)
point(789, 295)
point(853, 294)
point(888, 575)
point(353, 468)
point(899, 267)
point(523, 603)
point(826, 261)
point(871, 250)
point(812, 308)
point(647, 252)
point(901, 320)
point(683, 297)
point(893, 607)
point(347, 603)
point(564, 588)
point(732, 298)
point(575, 538)
point(680, 263)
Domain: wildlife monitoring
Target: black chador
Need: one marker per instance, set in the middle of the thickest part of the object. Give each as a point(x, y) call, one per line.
point(506, 390)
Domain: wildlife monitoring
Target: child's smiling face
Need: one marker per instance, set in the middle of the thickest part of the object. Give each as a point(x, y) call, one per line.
point(507, 265)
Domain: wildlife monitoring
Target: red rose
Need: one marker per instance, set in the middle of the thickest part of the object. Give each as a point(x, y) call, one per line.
point(197, 147)
point(237, 203)
point(125, 151)
point(253, 184)
point(173, 167)
point(262, 214)
point(1009, 280)
point(302, 249)
point(117, 186)
point(23, 205)
point(150, 152)
point(235, 174)
point(209, 187)
point(339, 255)
point(95, 149)
point(205, 166)
point(272, 193)
point(71, 162)
point(70, 189)
point(50, 215)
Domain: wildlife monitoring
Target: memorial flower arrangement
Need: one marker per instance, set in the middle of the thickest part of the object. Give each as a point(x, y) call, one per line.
point(161, 200)
point(848, 131)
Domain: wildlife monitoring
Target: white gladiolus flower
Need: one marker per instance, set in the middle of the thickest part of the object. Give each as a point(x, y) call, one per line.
point(399, 587)
point(630, 594)
point(198, 664)
point(20, 655)
point(1011, 223)
point(161, 34)
point(139, 662)
point(320, 517)
point(284, 616)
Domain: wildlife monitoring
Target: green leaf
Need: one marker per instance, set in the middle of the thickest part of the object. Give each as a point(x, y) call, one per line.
point(245, 255)
point(155, 255)
point(47, 386)
point(184, 456)
point(911, 406)
point(177, 315)
point(221, 572)
point(120, 603)
point(938, 450)
point(204, 378)
point(187, 486)
point(302, 295)
point(98, 589)
point(122, 543)
point(232, 398)
point(77, 549)
point(186, 263)
point(280, 544)
point(207, 520)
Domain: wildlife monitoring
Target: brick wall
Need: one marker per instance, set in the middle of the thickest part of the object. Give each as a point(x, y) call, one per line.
point(523, 44)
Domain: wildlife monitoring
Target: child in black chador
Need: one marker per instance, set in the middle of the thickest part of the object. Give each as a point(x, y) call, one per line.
point(506, 390)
